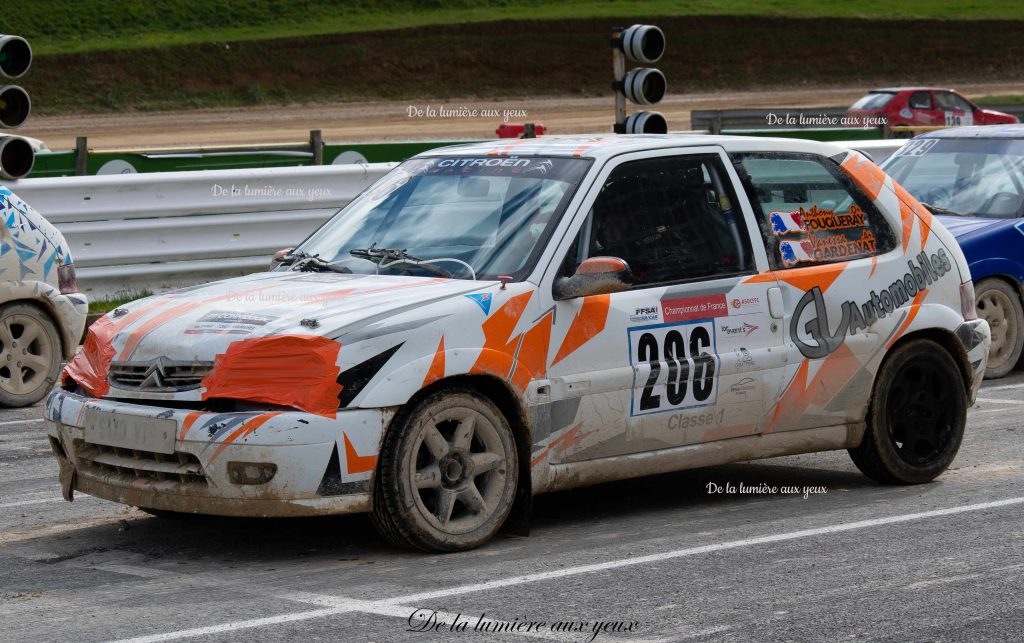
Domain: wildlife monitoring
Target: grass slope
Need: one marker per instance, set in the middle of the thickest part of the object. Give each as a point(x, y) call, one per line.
point(522, 58)
point(55, 26)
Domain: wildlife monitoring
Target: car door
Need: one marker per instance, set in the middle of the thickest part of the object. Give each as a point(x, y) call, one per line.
point(683, 350)
point(920, 109)
point(823, 263)
point(966, 108)
point(955, 110)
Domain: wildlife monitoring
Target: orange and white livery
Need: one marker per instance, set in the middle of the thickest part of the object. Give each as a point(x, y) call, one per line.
point(489, 322)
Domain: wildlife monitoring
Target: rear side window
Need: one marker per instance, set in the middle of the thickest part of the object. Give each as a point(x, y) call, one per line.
point(874, 100)
point(951, 102)
point(920, 100)
point(810, 212)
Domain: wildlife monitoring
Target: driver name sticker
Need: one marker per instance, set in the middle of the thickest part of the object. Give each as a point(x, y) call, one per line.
point(675, 366)
point(830, 236)
point(227, 323)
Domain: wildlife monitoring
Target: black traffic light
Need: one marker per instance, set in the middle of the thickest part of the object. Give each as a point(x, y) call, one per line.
point(643, 44)
point(16, 154)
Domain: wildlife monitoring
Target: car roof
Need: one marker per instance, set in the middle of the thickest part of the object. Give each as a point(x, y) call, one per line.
point(1013, 130)
point(911, 89)
point(604, 146)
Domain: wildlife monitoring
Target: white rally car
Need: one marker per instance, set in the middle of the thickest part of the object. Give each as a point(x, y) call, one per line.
point(496, 320)
point(42, 314)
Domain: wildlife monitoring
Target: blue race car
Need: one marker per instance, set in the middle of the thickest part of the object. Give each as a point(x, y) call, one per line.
point(972, 179)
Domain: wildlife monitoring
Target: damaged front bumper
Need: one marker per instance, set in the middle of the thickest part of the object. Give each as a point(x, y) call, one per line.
point(976, 337)
point(231, 464)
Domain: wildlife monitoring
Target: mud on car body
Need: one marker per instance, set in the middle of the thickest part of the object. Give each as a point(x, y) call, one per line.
point(497, 320)
point(42, 314)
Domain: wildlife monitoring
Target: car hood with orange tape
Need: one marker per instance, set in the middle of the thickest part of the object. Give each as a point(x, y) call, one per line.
point(266, 338)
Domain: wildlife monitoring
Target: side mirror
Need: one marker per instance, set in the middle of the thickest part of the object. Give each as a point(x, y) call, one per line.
point(279, 256)
point(595, 276)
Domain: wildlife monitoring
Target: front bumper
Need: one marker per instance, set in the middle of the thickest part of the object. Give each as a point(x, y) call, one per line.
point(976, 337)
point(230, 464)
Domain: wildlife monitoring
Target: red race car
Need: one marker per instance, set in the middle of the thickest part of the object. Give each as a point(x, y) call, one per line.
point(922, 106)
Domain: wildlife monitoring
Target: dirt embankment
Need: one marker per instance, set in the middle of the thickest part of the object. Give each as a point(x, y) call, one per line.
point(528, 58)
point(389, 120)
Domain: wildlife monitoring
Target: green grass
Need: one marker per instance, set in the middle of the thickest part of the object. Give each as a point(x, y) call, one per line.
point(1014, 99)
point(55, 26)
point(109, 304)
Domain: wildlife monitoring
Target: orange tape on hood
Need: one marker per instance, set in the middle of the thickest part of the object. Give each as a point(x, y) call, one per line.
point(300, 371)
point(89, 366)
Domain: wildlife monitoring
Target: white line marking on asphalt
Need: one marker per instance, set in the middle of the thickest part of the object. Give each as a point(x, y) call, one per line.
point(1002, 387)
point(991, 400)
point(10, 422)
point(571, 571)
point(22, 435)
point(135, 570)
point(29, 502)
point(35, 533)
point(11, 480)
point(940, 581)
point(407, 612)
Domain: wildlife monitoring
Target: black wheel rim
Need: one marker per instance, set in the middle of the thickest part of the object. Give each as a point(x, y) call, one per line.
point(920, 413)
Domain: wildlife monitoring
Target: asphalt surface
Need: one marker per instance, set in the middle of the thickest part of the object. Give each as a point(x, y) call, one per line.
point(657, 559)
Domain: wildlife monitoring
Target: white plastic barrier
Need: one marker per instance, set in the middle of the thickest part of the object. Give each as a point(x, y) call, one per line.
point(130, 232)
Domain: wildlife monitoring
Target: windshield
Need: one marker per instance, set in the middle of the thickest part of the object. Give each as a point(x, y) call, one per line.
point(874, 100)
point(458, 216)
point(966, 176)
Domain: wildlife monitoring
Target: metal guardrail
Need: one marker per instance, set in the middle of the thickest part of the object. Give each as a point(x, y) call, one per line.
point(85, 161)
point(718, 121)
point(133, 232)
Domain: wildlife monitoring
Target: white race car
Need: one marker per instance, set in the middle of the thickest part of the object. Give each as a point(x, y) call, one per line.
point(496, 320)
point(42, 314)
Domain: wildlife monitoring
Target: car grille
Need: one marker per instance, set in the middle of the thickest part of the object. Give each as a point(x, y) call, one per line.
point(132, 465)
point(158, 375)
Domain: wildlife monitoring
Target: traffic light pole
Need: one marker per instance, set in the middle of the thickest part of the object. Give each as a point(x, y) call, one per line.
point(618, 73)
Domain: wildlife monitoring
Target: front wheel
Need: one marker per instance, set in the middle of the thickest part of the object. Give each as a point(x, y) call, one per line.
point(30, 355)
point(998, 303)
point(447, 474)
point(917, 416)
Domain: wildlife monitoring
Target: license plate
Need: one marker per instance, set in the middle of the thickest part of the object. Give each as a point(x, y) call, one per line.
point(129, 431)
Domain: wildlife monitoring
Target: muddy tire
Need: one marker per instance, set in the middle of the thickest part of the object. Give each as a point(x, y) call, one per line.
point(999, 304)
point(30, 355)
point(447, 473)
point(917, 416)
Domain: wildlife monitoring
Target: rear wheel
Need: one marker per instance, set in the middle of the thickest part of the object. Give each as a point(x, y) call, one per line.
point(917, 416)
point(999, 304)
point(447, 474)
point(30, 355)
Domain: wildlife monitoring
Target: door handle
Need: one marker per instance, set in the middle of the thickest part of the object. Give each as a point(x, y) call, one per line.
point(775, 307)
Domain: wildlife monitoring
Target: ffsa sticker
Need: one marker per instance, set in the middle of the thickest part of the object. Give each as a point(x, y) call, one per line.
point(675, 366)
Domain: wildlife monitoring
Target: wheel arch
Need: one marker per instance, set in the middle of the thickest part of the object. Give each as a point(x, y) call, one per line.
point(46, 307)
point(947, 340)
point(1009, 280)
point(510, 404)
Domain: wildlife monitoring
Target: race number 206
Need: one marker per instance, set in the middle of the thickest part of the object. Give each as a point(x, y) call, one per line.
point(674, 367)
